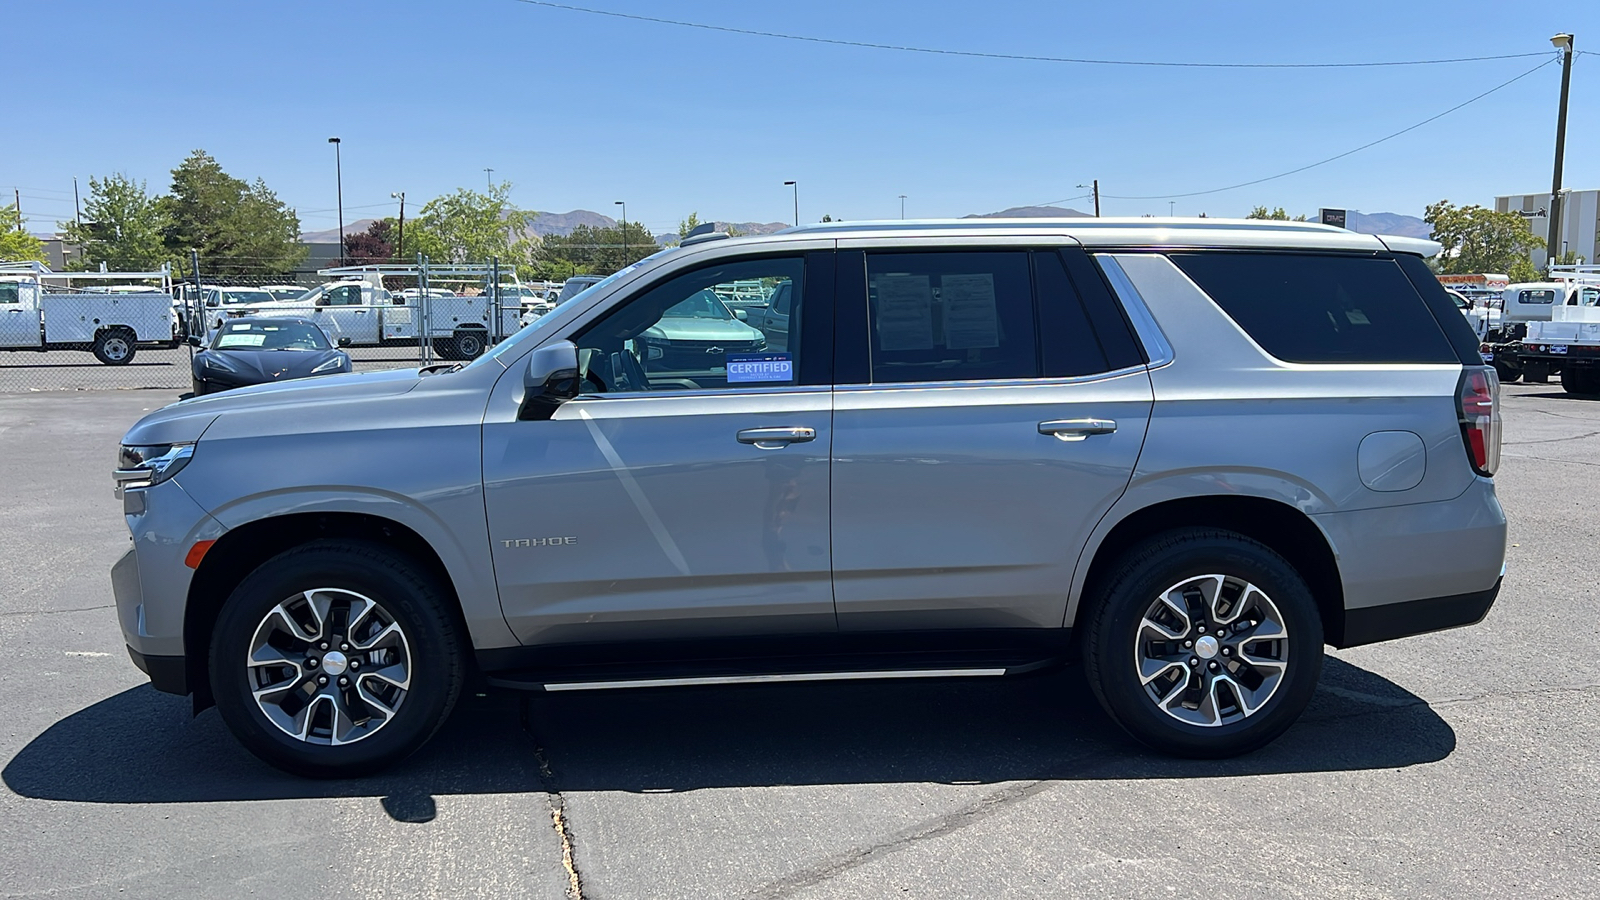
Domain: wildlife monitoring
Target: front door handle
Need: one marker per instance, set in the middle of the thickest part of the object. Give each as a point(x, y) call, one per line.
point(1076, 429)
point(777, 438)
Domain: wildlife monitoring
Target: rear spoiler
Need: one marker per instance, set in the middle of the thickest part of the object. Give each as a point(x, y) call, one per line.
point(1416, 246)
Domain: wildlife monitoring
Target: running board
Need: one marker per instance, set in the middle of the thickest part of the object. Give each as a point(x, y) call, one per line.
point(762, 679)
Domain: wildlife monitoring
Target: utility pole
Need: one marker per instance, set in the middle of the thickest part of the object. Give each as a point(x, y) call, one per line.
point(796, 186)
point(489, 173)
point(77, 210)
point(1096, 189)
point(338, 176)
point(1563, 42)
point(400, 252)
point(902, 206)
point(16, 194)
point(624, 231)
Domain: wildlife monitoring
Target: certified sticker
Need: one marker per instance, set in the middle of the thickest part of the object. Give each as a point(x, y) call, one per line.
point(744, 368)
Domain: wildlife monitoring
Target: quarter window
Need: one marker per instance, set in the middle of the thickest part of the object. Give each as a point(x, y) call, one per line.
point(707, 329)
point(950, 316)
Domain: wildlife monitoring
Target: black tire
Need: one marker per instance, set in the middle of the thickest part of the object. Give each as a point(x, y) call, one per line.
point(1507, 373)
point(404, 593)
point(1137, 580)
point(1535, 373)
point(445, 348)
point(115, 346)
point(1581, 382)
point(197, 387)
point(470, 343)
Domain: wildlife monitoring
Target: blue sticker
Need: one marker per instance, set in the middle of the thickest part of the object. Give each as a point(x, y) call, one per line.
point(748, 367)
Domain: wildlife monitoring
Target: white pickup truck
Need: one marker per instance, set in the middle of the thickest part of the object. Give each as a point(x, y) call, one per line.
point(41, 310)
point(1569, 343)
point(357, 305)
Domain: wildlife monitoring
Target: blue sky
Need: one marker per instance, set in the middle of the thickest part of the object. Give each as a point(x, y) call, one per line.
point(580, 110)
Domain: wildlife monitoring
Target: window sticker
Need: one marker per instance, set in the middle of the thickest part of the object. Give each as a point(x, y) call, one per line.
point(744, 368)
point(241, 340)
point(905, 312)
point(971, 320)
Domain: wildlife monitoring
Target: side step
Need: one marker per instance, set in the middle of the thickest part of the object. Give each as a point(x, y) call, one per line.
point(581, 680)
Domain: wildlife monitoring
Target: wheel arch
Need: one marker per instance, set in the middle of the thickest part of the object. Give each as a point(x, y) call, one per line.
point(243, 549)
point(1287, 530)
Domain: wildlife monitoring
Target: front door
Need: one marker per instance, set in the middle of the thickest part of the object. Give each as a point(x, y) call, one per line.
point(347, 313)
point(684, 494)
point(19, 314)
point(989, 434)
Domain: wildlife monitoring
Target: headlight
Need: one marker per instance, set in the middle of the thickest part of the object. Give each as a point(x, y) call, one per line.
point(216, 361)
point(331, 365)
point(143, 466)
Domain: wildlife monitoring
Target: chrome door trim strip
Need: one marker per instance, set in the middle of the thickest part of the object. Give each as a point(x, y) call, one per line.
point(1144, 324)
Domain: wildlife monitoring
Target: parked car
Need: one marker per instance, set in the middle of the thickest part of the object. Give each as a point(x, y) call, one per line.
point(696, 334)
point(249, 351)
point(1187, 455)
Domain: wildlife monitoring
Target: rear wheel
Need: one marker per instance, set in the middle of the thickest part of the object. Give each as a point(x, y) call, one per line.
point(1203, 643)
point(1583, 382)
point(335, 659)
point(1507, 372)
point(114, 346)
point(1535, 373)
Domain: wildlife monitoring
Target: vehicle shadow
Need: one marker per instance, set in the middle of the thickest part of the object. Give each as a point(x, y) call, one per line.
point(142, 747)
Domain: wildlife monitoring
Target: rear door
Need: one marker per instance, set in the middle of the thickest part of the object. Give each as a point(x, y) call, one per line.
point(982, 426)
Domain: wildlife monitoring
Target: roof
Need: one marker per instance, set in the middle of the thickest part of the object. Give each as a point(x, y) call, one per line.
point(1140, 232)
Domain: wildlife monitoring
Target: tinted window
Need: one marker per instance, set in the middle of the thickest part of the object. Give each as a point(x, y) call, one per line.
point(10, 292)
point(682, 335)
point(1540, 296)
point(1322, 309)
point(1068, 343)
point(950, 316)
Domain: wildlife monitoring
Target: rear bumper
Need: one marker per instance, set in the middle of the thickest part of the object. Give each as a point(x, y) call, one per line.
point(1372, 624)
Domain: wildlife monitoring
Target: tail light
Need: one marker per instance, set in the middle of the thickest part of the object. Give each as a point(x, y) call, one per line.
point(1478, 407)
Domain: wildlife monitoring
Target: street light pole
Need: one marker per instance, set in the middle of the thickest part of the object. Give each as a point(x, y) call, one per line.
point(624, 230)
point(1096, 189)
point(1563, 42)
point(400, 252)
point(902, 206)
point(796, 186)
point(338, 176)
point(489, 174)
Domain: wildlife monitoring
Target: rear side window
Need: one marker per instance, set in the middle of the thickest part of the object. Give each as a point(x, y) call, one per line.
point(951, 316)
point(1311, 308)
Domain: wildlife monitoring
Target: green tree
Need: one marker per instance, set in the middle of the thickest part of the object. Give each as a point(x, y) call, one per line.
point(16, 244)
point(1278, 215)
point(239, 228)
point(123, 228)
point(1476, 239)
point(689, 224)
point(469, 227)
point(597, 251)
point(1522, 271)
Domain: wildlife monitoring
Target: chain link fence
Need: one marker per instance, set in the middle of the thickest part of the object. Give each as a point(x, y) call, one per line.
point(146, 330)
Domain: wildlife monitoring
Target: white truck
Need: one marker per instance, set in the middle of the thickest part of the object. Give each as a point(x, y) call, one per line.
point(44, 310)
point(1567, 341)
point(359, 304)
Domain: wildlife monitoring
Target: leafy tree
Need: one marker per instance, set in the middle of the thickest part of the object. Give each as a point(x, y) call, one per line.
point(1476, 239)
point(1522, 271)
point(123, 229)
point(16, 244)
point(239, 228)
point(1278, 215)
point(599, 251)
point(469, 227)
point(689, 224)
point(375, 245)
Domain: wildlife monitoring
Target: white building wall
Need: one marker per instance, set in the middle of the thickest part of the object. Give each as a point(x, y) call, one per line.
point(1580, 221)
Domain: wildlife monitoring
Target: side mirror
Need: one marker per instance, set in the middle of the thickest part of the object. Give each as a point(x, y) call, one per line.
point(550, 379)
point(194, 341)
point(741, 315)
point(322, 301)
point(344, 342)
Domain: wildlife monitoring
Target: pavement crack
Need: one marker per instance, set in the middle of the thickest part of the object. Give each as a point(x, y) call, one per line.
point(51, 612)
point(1576, 462)
point(1576, 437)
point(557, 804)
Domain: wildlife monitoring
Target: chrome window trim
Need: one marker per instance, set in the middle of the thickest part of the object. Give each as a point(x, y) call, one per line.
point(1044, 381)
point(705, 392)
point(1156, 345)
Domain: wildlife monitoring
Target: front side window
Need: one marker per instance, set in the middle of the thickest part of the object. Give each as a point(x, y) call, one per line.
point(344, 295)
point(10, 292)
point(950, 316)
point(682, 335)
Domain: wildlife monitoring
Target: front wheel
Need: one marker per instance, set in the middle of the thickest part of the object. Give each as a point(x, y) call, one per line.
point(1203, 643)
point(335, 659)
point(470, 344)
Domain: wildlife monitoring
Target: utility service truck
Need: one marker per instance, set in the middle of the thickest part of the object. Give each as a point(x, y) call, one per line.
point(121, 313)
point(358, 304)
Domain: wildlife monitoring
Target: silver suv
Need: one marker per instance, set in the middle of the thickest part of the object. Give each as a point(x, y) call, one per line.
point(1185, 453)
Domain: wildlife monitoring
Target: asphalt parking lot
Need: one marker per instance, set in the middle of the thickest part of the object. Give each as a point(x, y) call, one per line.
point(78, 370)
point(1460, 764)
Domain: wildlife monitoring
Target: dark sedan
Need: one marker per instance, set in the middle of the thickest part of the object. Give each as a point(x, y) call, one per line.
point(250, 351)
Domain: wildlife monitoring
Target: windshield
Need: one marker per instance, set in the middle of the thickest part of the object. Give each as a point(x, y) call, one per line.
point(239, 298)
point(534, 330)
point(270, 336)
point(703, 304)
point(285, 293)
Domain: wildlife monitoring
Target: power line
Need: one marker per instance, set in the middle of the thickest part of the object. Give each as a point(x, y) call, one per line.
point(1330, 159)
point(901, 48)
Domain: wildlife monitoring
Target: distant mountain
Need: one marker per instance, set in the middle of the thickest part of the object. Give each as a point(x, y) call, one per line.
point(1031, 212)
point(1389, 223)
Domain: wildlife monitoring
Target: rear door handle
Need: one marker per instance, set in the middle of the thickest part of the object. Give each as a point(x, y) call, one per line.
point(1076, 429)
point(777, 438)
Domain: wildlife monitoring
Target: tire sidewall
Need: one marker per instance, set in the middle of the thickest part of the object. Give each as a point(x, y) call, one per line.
point(435, 674)
point(1113, 636)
